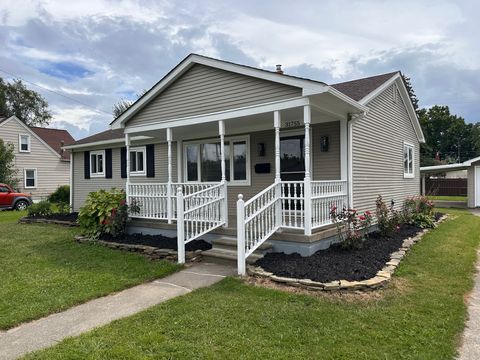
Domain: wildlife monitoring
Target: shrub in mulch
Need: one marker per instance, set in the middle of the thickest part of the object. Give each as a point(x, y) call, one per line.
point(158, 241)
point(336, 262)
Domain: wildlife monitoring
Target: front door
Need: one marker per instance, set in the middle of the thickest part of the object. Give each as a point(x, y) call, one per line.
point(292, 158)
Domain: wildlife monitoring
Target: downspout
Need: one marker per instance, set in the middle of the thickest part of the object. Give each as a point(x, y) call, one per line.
point(350, 119)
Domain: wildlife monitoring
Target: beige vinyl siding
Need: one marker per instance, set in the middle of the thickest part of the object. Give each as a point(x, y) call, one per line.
point(325, 166)
point(378, 153)
point(82, 187)
point(204, 90)
point(471, 184)
point(51, 171)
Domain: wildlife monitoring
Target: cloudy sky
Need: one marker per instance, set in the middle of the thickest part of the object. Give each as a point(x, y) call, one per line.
point(99, 51)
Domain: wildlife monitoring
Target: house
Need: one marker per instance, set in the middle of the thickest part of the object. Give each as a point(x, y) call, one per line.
point(41, 163)
point(472, 179)
point(237, 154)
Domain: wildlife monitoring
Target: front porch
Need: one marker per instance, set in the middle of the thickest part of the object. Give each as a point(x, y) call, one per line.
point(265, 178)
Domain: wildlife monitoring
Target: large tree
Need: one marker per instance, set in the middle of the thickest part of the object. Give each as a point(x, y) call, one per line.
point(7, 170)
point(448, 138)
point(27, 105)
point(411, 92)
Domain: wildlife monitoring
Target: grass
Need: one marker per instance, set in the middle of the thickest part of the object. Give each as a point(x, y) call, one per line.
point(43, 270)
point(448, 198)
point(420, 316)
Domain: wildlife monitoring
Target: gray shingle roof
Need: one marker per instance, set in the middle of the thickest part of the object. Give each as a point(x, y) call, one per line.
point(358, 89)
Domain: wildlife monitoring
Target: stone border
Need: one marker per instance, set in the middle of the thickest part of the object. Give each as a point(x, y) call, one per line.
point(151, 252)
point(27, 220)
point(379, 280)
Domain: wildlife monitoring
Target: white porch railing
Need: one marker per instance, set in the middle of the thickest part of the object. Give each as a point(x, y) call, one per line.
point(285, 205)
point(199, 213)
point(153, 198)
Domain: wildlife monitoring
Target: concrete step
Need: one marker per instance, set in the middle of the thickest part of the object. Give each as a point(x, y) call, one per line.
point(227, 256)
point(227, 244)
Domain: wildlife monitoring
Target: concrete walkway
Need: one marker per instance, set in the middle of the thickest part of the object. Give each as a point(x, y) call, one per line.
point(470, 349)
point(52, 329)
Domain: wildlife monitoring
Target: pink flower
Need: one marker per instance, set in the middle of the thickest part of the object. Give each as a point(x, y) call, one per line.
point(368, 213)
point(362, 218)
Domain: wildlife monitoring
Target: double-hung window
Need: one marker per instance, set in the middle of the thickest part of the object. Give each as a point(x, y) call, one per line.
point(202, 161)
point(97, 163)
point(138, 161)
point(24, 143)
point(30, 178)
point(408, 160)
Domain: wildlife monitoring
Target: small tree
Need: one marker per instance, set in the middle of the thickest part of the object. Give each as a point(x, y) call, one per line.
point(27, 105)
point(123, 104)
point(8, 172)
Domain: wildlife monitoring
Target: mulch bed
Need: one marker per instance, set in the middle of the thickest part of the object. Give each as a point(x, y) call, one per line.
point(336, 262)
point(67, 217)
point(158, 241)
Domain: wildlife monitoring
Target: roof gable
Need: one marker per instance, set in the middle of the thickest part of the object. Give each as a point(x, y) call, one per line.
point(306, 85)
point(51, 138)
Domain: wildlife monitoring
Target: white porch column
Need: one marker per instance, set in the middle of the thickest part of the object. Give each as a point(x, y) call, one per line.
point(278, 187)
point(307, 115)
point(350, 167)
point(127, 186)
point(221, 132)
point(169, 176)
point(344, 149)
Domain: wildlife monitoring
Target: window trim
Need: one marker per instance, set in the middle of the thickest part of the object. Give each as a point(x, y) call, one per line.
point(97, 174)
point(407, 175)
point(230, 140)
point(25, 178)
point(139, 149)
point(20, 143)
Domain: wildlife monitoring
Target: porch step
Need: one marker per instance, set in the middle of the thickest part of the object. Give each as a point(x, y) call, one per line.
point(224, 251)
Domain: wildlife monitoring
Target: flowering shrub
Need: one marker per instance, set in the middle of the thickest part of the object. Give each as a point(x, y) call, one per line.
point(105, 212)
point(388, 219)
point(419, 211)
point(352, 229)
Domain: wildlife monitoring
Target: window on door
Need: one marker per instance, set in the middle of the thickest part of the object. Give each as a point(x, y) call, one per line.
point(292, 158)
point(203, 161)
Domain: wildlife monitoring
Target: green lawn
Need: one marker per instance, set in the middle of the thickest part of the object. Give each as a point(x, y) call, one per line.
point(420, 316)
point(448, 198)
point(42, 270)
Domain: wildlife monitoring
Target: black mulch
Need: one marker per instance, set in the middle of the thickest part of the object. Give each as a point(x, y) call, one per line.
point(158, 241)
point(67, 217)
point(336, 263)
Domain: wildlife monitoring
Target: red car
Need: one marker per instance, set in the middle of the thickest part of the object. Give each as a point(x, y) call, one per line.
point(9, 199)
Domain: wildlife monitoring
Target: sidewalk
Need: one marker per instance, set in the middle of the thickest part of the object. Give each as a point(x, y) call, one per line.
point(54, 328)
point(470, 349)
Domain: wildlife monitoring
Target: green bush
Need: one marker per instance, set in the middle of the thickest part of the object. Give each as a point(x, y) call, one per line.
point(388, 219)
point(105, 212)
point(61, 195)
point(63, 208)
point(42, 208)
point(419, 211)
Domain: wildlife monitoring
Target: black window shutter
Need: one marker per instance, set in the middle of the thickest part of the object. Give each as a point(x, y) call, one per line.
point(108, 163)
point(86, 164)
point(123, 162)
point(150, 160)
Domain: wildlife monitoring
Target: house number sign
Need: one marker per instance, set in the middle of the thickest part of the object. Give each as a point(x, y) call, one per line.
point(292, 123)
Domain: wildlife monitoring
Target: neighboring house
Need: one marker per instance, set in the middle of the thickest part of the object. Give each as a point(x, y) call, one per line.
point(293, 147)
point(41, 163)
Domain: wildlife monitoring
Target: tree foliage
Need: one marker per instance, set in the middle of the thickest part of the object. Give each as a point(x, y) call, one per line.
point(448, 138)
point(8, 172)
point(411, 92)
point(27, 105)
point(123, 104)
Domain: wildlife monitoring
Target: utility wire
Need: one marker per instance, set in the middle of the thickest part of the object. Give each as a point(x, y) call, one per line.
point(55, 92)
